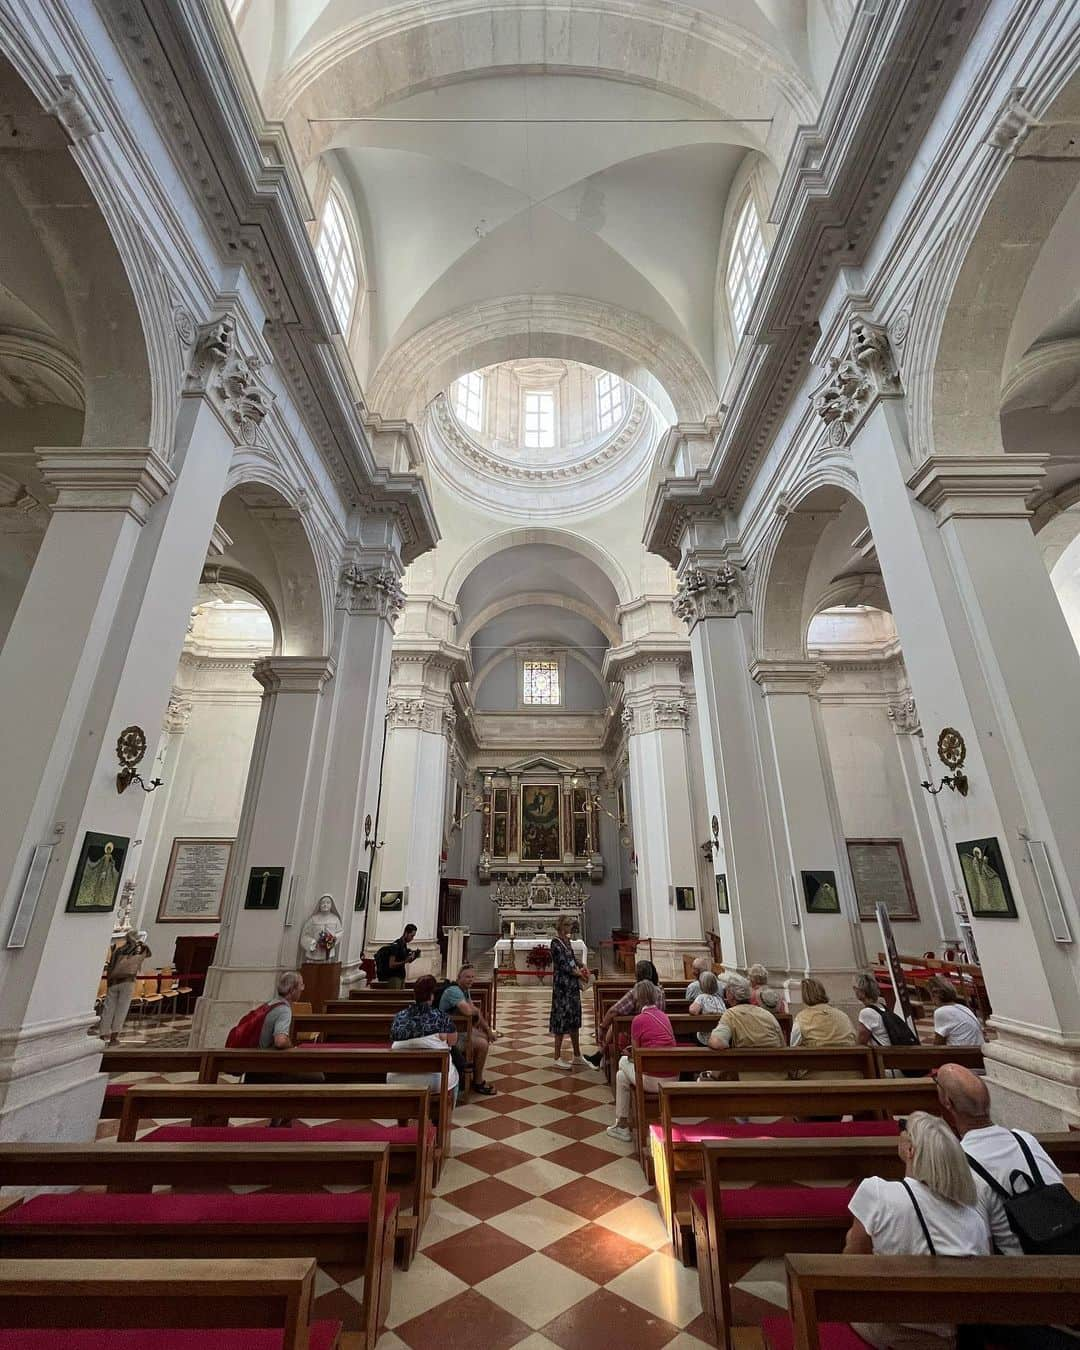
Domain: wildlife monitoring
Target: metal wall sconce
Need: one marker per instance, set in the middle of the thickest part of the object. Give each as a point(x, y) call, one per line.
point(130, 749)
point(952, 752)
point(370, 843)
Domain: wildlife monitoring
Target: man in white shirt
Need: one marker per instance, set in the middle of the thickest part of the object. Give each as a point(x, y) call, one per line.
point(966, 1100)
point(954, 1022)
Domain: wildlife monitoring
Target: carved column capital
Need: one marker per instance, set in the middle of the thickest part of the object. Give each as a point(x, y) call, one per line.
point(177, 714)
point(658, 713)
point(231, 380)
point(710, 593)
point(864, 373)
point(293, 674)
point(789, 677)
point(904, 716)
point(370, 590)
point(89, 479)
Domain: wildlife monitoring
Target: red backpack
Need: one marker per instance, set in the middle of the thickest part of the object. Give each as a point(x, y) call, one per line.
point(245, 1035)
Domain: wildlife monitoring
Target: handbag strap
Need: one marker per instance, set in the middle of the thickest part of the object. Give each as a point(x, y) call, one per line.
point(919, 1216)
point(1034, 1180)
point(994, 1185)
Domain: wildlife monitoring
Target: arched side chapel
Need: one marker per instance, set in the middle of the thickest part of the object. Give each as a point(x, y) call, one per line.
point(705, 466)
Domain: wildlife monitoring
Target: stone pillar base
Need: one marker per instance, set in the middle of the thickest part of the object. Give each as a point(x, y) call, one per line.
point(51, 1084)
point(230, 993)
point(1034, 1077)
point(667, 955)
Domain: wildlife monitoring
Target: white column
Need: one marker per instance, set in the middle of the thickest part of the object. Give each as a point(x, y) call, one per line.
point(656, 717)
point(256, 944)
point(989, 654)
point(807, 828)
point(421, 720)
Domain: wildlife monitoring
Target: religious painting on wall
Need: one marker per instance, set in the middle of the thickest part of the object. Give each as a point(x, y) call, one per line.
point(989, 893)
point(880, 872)
point(360, 900)
point(582, 842)
point(97, 873)
point(195, 881)
point(500, 822)
point(264, 888)
point(821, 894)
point(391, 901)
point(459, 803)
point(684, 898)
point(723, 905)
point(540, 822)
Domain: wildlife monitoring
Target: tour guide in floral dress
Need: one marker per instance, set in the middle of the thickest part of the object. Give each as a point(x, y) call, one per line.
point(567, 977)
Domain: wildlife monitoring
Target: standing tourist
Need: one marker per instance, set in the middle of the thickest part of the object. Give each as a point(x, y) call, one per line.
point(567, 977)
point(125, 961)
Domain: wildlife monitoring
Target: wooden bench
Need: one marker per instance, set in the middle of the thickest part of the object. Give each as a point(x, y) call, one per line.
point(986, 1290)
point(117, 1061)
point(369, 1031)
point(64, 1305)
point(347, 1065)
point(926, 1057)
point(209, 1108)
point(181, 1225)
point(692, 1060)
point(481, 993)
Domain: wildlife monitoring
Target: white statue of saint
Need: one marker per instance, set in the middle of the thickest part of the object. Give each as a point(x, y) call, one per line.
point(320, 937)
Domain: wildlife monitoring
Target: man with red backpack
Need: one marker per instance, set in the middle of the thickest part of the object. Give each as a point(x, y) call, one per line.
point(267, 1027)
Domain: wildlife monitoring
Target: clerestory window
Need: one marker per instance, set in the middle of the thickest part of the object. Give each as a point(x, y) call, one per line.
point(540, 683)
point(746, 263)
point(469, 400)
point(609, 401)
point(539, 421)
point(337, 261)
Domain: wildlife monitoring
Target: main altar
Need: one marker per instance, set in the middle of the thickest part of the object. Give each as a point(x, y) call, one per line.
point(530, 907)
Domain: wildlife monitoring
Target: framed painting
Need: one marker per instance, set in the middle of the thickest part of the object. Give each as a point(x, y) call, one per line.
point(195, 881)
point(985, 879)
point(360, 899)
point(723, 904)
point(264, 888)
point(880, 872)
point(820, 893)
point(540, 841)
point(97, 873)
point(685, 898)
point(391, 901)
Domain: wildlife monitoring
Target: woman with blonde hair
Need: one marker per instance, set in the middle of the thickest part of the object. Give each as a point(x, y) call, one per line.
point(567, 977)
point(933, 1211)
point(819, 1025)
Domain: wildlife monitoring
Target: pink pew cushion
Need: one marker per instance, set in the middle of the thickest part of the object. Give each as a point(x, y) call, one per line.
point(343, 1045)
point(359, 1132)
point(780, 1335)
point(116, 1089)
point(787, 1202)
point(699, 1199)
point(777, 1129)
point(322, 1336)
point(84, 1208)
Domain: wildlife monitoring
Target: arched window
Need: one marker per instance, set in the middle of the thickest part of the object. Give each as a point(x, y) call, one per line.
point(609, 401)
point(469, 400)
point(746, 263)
point(337, 260)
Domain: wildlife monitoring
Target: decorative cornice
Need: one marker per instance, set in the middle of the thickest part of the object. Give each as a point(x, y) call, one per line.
point(220, 371)
point(978, 486)
point(855, 381)
point(1011, 124)
point(709, 593)
point(433, 715)
point(370, 590)
point(35, 371)
point(789, 677)
point(89, 479)
point(294, 674)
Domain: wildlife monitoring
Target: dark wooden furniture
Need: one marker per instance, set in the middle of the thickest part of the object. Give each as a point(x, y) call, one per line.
point(192, 958)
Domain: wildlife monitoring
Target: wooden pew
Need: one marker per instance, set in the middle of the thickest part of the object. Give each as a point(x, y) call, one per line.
point(926, 1057)
point(369, 1030)
point(342, 1228)
point(347, 1065)
point(481, 993)
point(695, 1059)
point(119, 1061)
point(675, 1164)
point(1014, 1290)
point(211, 1297)
point(411, 1150)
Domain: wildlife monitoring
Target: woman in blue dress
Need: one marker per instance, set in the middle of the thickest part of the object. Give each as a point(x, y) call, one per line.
point(567, 976)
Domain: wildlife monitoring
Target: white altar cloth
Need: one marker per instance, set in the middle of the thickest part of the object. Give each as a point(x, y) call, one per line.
point(524, 945)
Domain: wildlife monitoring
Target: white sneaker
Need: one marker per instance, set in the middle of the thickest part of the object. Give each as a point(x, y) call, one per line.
point(566, 1064)
point(621, 1133)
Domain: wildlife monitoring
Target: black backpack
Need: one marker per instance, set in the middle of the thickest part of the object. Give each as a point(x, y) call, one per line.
point(1045, 1218)
point(382, 961)
point(897, 1030)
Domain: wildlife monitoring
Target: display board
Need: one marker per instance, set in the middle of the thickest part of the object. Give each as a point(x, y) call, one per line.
point(195, 881)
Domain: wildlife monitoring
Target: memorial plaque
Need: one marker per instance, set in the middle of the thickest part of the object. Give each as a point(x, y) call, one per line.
point(880, 873)
point(195, 881)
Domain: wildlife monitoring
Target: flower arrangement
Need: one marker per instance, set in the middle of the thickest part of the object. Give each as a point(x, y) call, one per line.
point(539, 958)
point(326, 942)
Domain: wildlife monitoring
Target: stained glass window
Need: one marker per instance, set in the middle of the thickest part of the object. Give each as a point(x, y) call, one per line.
point(745, 265)
point(609, 400)
point(334, 251)
point(539, 422)
point(469, 400)
point(541, 683)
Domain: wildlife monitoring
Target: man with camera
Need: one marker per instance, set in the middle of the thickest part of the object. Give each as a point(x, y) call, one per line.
point(393, 960)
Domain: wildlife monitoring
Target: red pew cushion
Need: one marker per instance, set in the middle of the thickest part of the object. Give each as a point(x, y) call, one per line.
point(116, 1089)
point(222, 1207)
point(786, 1202)
point(777, 1129)
point(359, 1132)
point(699, 1198)
point(780, 1335)
point(343, 1045)
point(321, 1337)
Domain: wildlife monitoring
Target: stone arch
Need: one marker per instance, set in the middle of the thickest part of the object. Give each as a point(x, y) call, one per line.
point(552, 598)
point(490, 665)
point(573, 543)
point(274, 546)
point(569, 327)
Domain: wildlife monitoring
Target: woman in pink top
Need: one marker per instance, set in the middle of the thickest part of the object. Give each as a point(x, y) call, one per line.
point(650, 1029)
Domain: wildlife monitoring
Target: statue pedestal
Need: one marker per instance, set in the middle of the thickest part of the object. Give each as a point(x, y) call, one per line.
point(322, 981)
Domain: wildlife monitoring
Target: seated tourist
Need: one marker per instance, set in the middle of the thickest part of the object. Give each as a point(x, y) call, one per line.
point(276, 1033)
point(709, 1000)
point(650, 1029)
point(954, 1022)
point(771, 1000)
point(871, 1029)
point(818, 1025)
point(745, 1025)
point(694, 987)
point(421, 1026)
point(644, 970)
point(455, 998)
point(758, 975)
point(933, 1211)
